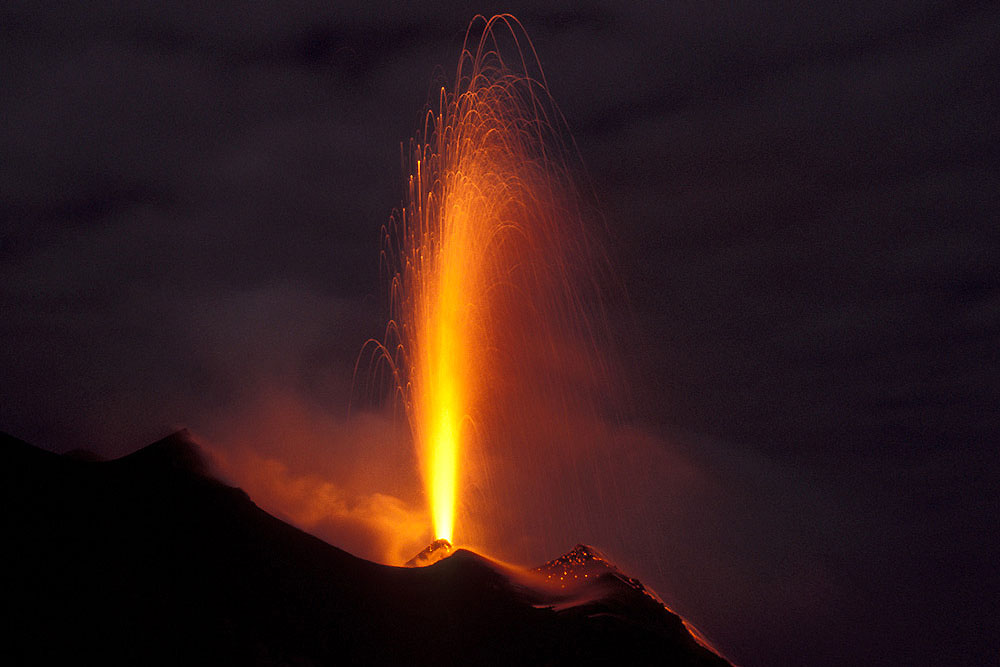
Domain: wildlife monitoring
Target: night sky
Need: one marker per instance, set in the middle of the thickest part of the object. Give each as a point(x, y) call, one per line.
point(802, 204)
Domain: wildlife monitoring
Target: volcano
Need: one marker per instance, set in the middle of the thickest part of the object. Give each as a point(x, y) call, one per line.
point(149, 559)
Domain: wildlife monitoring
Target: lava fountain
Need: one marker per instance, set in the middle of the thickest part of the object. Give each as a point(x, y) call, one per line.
point(491, 267)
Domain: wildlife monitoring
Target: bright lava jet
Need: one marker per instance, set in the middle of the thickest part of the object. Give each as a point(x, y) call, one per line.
point(483, 258)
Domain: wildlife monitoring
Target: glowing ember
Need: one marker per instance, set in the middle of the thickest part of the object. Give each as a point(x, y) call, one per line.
point(480, 260)
point(434, 552)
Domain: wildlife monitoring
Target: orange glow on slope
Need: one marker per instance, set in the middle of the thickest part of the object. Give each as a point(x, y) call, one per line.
point(478, 258)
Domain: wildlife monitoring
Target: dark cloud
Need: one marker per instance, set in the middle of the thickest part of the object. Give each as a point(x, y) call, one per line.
point(801, 201)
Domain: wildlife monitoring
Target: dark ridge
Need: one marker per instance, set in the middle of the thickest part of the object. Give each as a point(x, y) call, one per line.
point(84, 455)
point(178, 452)
point(147, 560)
point(15, 450)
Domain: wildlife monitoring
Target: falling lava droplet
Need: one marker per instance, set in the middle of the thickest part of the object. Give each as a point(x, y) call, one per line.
point(435, 551)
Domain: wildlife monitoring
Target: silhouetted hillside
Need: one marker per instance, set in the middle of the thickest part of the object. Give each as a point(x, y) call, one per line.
point(148, 559)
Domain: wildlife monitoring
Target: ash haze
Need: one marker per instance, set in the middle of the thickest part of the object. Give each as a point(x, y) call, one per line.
point(802, 202)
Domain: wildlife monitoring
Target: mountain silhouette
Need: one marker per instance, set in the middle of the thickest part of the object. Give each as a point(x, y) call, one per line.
point(148, 559)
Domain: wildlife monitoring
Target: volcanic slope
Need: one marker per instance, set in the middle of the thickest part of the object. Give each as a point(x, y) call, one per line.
point(148, 559)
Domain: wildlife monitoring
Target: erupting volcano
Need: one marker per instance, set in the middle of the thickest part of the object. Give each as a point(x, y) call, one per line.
point(493, 268)
point(497, 345)
point(148, 559)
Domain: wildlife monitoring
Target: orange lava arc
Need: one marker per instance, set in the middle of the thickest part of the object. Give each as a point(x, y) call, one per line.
point(478, 255)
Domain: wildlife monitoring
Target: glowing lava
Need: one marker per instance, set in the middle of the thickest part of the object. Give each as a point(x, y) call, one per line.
point(479, 258)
